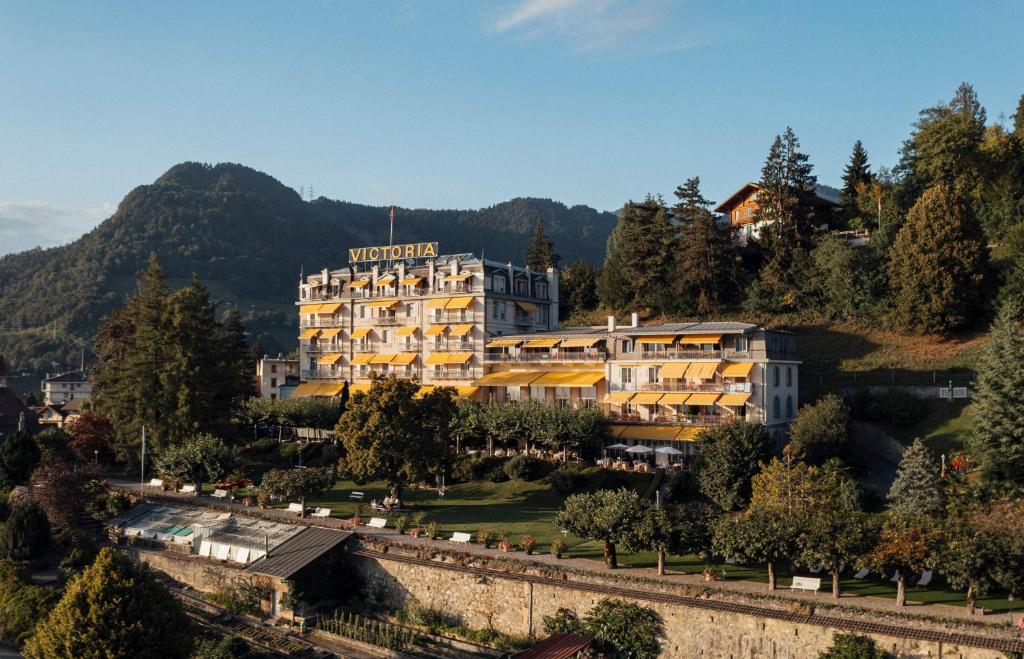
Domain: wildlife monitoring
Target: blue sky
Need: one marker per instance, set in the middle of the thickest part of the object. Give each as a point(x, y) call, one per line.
point(449, 104)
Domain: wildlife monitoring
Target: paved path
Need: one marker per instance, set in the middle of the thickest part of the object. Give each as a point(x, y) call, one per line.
point(738, 585)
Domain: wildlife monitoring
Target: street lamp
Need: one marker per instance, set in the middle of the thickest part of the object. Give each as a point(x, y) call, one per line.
point(96, 458)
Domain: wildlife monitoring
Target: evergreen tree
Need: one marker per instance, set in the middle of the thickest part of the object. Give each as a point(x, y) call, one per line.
point(1018, 118)
point(917, 490)
point(3, 365)
point(945, 146)
point(997, 440)
point(114, 608)
point(937, 264)
point(577, 289)
point(239, 368)
point(26, 534)
point(541, 254)
point(613, 287)
point(19, 455)
point(706, 259)
point(856, 175)
point(193, 352)
point(638, 266)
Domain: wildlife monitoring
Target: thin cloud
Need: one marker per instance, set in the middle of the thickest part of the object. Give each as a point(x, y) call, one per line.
point(30, 224)
point(596, 25)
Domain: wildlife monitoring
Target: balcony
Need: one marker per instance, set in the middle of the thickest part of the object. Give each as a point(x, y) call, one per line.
point(700, 420)
point(681, 386)
point(415, 346)
point(453, 318)
point(455, 374)
point(322, 347)
point(322, 373)
point(384, 320)
point(320, 322)
point(665, 355)
point(539, 356)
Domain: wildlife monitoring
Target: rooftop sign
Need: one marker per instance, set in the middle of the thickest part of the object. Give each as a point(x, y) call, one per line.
point(392, 252)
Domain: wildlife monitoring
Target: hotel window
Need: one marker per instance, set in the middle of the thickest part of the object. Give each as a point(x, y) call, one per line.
point(626, 375)
point(499, 284)
point(542, 291)
point(537, 393)
point(740, 344)
point(544, 315)
point(789, 407)
point(776, 407)
point(504, 310)
point(589, 396)
point(789, 376)
point(273, 382)
point(362, 311)
point(653, 375)
point(521, 287)
point(385, 336)
point(627, 345)
point(494, 309)
point(408, 310)
point(562, 395)
point(775, 377)
point(273, 368)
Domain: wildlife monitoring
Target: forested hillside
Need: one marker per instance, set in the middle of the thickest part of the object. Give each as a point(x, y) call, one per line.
point(247, 236)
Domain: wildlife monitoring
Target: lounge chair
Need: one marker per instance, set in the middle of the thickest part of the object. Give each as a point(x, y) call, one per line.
point(817, 568)
point(356, 496)
point(377, 523)
point(322, 512)
point(187, 489)
point(863, 574)
point(295, 508)
point(926, 578)
point(220, 494)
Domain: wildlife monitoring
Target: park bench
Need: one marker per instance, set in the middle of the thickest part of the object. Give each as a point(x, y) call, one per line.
point(806, 583)
point(295, 508)
point(459, 536)
point(220, 494)
point(322, 512)
point(377, 523)
point(356, 496)
point(156, 482)
point(188, 489)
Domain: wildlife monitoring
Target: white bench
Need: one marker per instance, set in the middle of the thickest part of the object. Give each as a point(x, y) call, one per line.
point(156, 482)
point(926, 578)
point(188, 489)
point(377, 523)
point(862, 573)
point(322, 512)
point(220, 494)
point(357, 496)
point(295, 508)
point(464, 538)
point(806, 583)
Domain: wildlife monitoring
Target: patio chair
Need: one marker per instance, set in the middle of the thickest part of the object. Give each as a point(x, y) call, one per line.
point(926, 578)
point(895, 576)
point(862, 574)
point(323, 513)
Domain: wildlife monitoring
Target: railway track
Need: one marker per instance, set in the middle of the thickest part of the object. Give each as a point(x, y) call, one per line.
point(1007, 645)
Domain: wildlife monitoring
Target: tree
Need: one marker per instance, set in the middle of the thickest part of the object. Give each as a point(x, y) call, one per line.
point(59, 487)
point(728, 456)
point(228, 647)
point(856, 175)
point(541, 254)
point(853, 646)
point(821, 430)
point(637, 269)
point(26, 535)
point(937, 264)
point(92, 438)
point(904, 547)
point(623, 629)
point(200, 458)
point(114, 608)
point(611, 516)
point(850, 280)
point(706, 271)
point(392, 433)
point(756, 536)
point(21, 603)
point(997, 438)
point(577, 289)
point(945, 146)
point(298, 483)
point(917, 490)
point(676, 529)
point(19, 455)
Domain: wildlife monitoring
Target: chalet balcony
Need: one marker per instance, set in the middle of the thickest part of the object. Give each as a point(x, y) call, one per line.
point(544, 356)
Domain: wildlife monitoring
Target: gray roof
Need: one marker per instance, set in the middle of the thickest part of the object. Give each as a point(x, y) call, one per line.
point(673, 328)
point(70, 376)
point(298, 551)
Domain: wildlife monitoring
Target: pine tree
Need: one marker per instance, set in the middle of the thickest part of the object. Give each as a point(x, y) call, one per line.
point(945, 146)
point(937, 264)
point(691, 202)
point(541, 254)
point(638, 266)
point(706, 259)
point(917, 489)
point(239, 367)
point(1018, 118)
point(577, 291)
point(856, 174)
point(997, 442)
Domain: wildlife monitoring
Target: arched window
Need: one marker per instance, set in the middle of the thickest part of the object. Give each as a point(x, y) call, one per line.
point(776, 407)
point(775, 375)
point(789, 407)
point(789, 376)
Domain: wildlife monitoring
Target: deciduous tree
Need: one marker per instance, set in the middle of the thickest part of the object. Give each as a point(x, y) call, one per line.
point(904, 547)
point(821, 430)
point(610, 516)
point(200, 458)
point(92, 438)
point(299, 483)
point(728, 456)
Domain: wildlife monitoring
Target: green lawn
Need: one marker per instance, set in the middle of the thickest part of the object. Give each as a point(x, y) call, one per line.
point(943, 430)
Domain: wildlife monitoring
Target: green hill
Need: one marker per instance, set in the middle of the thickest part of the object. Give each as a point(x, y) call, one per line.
point(248, 236)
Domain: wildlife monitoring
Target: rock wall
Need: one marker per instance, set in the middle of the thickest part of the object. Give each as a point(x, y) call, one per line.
point(510, 604)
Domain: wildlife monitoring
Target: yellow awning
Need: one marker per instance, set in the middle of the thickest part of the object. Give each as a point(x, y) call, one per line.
point(459, 303)
point(407, 330)
point(359, 283)
point(509, 378)
point(435, 330)
point(702, 399)
point(382, 358)
point(466, 392)
point(738, 370)
point(305, 389)
point(424, 390)
point(579, 343)
point(449, 358)
point(360, 388)
point(437, 358)
point(404, 358)
point(382, 304)
point(359, 333)
point(702, 370)
point(330, 359)
point(411, 281)
point(656, 338)
point(674, 370)
point(647, 398)
point(329, 308)
point(699, 339)
point(308, 334)
point(734, 399)
point(437, 303)
point(541, 343)
point(528, 307)
point(618, 397)
point(674, 398)
point(386, 279)
point(460, 330)
point(569, 379)
point(363, 358)
point(503, 343)
point(689, 434)
point(330, 390)
point(310, 308)
point(330, 333)
point(641, 433)
point(460, 277)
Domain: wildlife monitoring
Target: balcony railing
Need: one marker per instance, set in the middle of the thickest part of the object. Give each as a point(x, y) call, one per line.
point(538, 356)
point(322, 347)
point(321, 322)
point(675, 419)
point(680, 386)
point(455, 374)
point(662, 355)
point(415, 346)
point(323, 373)
point(470, 317)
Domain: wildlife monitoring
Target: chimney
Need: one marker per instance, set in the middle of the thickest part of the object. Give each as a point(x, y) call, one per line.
point(611, 323)
point(635, 319)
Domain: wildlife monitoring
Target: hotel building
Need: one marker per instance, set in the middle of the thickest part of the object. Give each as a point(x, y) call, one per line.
point(490, 330)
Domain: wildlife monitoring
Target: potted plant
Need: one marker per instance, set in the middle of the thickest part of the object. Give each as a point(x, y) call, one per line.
point(528, 542)
point(355, 521)
point(485, 537)
point(433, 530)
point(263, 499)
point(401, 524)
point(558, 547)
point(504, 545)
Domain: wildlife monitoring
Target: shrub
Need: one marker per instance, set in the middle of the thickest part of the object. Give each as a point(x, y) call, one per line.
point(290, 450)
point(525, 468)
point(433, 530)
point(21, 605)
point(563, 621)
point(852, 646)
point(26, 535)
point(558, 547)
point(486, 537)
point(401, 524)
point(528, 542)
point(497, 474)
point(566, 479)
point(470, 469)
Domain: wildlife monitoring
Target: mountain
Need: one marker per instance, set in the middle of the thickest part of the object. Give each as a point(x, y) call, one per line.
point(248, 236)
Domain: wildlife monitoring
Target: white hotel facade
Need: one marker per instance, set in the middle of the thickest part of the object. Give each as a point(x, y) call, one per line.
point(490, 330)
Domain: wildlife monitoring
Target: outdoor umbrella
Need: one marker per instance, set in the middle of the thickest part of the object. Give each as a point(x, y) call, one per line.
point(617, 446)
point(668, 450)
point(639, 448)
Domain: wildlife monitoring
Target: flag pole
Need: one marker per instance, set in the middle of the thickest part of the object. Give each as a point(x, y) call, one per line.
point(391, 234)
point(142, 474)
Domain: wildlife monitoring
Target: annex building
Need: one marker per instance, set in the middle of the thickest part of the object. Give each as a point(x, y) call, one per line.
point(491, 331)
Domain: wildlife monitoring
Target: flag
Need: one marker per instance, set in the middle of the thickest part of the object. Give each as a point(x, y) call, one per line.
point(392, 213)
